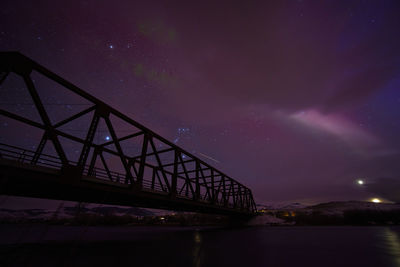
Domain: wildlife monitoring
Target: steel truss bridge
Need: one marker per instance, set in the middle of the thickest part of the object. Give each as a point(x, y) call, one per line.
point(131, 166)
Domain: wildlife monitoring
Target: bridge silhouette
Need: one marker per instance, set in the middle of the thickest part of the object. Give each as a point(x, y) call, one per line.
point(97, 154)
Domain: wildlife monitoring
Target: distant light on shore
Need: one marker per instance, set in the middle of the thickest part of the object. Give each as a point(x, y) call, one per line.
point(360, 182)
point(376, 200)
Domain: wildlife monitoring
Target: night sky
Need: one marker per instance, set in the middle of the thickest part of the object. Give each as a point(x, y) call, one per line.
point(295, 99)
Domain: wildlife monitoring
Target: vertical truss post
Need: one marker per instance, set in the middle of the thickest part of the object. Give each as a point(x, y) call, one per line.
point(92, 163)
point(88, 141)
point(131, 163)
point(197, 180)
point(249, 207)
point(240, 197)
point(229, 194)
point(224, 190)
point(246, 199)
point(233, 195)
point(220, 197)
point(249, 199)
point(142, 163)
point(174, 181)
point(237, 191)
point(153, 178)
point(212, 186)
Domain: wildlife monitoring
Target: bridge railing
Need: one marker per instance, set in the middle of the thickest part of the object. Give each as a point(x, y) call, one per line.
point(24, 156)
point(139, 157)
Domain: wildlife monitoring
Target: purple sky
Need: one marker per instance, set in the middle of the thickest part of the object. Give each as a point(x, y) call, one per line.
point(295, 99)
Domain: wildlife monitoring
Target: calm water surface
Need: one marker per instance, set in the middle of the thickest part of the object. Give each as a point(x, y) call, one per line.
point(40, 245)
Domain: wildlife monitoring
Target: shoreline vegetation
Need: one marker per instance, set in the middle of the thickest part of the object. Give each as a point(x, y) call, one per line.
point(349, 217)
point(329, 214)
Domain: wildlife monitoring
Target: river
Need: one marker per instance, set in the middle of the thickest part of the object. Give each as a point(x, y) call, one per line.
point(50, 245)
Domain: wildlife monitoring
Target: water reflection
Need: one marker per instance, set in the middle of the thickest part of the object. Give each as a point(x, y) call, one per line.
point(254, 247)
point(197, 249)
point(393, 244)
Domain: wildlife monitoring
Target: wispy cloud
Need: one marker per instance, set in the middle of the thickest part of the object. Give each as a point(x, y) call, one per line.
point(337, 125)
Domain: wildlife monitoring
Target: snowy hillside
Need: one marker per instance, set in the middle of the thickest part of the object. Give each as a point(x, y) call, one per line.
point(337, 208)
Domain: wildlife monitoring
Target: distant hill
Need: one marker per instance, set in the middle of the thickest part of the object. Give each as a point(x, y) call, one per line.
point(281, 206)
point(331, 213)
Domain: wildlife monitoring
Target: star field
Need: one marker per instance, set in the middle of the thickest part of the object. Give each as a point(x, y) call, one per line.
point(295, 99)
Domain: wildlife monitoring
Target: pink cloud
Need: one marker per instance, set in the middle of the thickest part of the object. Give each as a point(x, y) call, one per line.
point(338, 126)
